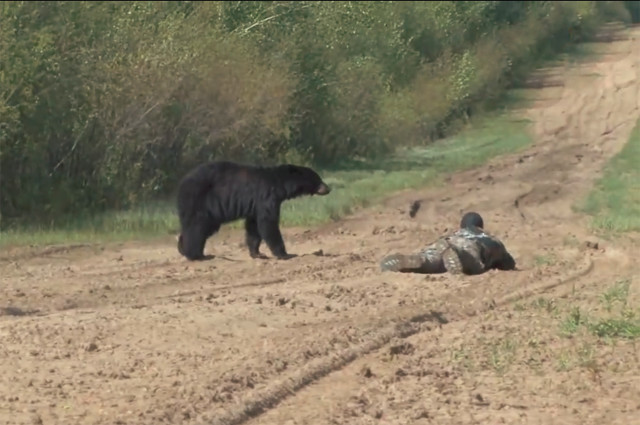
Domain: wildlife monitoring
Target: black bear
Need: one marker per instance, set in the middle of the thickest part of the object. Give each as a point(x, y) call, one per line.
point(218, 192)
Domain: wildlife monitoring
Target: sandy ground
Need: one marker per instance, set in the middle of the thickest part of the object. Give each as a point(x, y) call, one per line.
point(134, 334)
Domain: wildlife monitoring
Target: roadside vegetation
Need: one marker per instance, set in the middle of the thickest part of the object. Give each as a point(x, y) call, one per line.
point(105, 105)
point(614, 202)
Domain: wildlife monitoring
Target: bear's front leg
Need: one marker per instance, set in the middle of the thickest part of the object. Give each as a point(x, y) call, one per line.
point(269, 229)
point(252, 238)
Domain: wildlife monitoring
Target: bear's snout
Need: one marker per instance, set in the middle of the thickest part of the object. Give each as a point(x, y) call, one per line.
point(323, 189)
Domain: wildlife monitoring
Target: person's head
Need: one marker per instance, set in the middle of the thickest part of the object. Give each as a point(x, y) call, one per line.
point(471, 219)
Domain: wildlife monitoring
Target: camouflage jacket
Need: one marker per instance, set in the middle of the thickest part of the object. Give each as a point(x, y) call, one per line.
point(469, 251)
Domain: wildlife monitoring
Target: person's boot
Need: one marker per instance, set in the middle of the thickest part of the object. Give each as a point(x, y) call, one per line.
point(401, 263)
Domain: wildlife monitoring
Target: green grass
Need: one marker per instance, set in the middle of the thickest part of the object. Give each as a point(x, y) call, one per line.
point(614, 202)
point(354, 184)
point(619, 292)
point(365, 183)
point(617, 320)
point(502, 354)
point(155, 220)
point(544, 260)
point(617, 328)
point(596, 328)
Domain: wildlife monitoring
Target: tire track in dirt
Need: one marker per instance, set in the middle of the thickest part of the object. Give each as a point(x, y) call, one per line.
point(426, 384)
point(402, 326)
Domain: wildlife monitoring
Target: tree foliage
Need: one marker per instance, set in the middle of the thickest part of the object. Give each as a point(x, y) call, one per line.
point(105, 104)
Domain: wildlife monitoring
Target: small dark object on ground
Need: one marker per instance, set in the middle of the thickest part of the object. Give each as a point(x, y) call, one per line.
point(415, 206)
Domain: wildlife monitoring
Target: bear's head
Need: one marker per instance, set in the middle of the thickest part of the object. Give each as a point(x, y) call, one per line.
point(300, 181)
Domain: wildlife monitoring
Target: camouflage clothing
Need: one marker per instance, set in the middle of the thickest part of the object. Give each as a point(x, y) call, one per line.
point(469, 250)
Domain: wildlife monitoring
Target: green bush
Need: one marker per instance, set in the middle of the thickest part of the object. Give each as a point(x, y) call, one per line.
point(106, 104)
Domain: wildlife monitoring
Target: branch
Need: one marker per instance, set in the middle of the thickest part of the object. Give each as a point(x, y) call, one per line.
point(73, 148)
point(140, 119)
point(267, 19)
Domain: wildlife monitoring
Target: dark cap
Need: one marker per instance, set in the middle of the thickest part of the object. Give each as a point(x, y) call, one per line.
point(471, 219)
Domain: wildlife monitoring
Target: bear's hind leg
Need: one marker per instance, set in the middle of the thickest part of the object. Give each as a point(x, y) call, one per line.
point(193, 239)
point(191, 243)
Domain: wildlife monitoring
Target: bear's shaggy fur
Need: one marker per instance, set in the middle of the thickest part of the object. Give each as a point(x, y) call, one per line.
point(218, 192)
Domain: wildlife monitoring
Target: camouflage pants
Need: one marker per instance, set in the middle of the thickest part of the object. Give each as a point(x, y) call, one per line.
point(441, 257)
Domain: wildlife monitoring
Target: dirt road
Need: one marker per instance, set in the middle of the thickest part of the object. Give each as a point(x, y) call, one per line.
point(134, 334)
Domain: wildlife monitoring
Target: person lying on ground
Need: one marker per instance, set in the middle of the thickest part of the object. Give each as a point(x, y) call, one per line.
point(469, 250)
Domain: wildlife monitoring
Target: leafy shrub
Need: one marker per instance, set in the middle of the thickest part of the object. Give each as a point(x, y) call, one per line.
point(106, 104)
